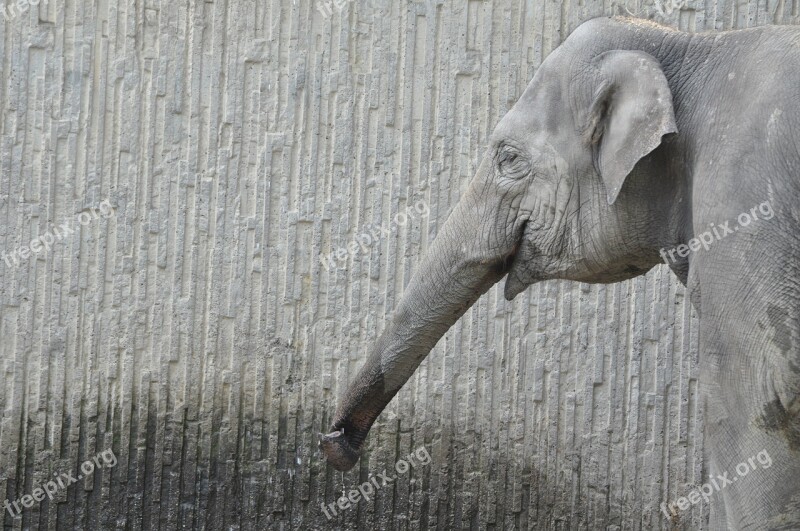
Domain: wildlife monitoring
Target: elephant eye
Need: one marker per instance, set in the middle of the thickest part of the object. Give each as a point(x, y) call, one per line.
point(511, 163)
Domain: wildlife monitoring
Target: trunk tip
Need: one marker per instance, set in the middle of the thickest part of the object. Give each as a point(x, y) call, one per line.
point(338, 451)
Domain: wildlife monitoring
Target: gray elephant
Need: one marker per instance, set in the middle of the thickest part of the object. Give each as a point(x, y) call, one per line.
point(634, 143)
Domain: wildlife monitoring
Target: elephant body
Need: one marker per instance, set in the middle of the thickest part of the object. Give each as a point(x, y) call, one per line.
point(632, 145)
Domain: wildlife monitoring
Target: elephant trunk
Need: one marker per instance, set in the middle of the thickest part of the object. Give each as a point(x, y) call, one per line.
point(453, 274)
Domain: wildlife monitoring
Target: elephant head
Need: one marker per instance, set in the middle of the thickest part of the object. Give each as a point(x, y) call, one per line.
point(565, 190)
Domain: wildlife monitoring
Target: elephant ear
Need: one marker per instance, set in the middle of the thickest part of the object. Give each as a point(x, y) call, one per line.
point(631, 111)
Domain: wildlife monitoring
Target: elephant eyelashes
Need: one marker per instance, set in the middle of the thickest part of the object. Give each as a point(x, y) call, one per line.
point(511, 163)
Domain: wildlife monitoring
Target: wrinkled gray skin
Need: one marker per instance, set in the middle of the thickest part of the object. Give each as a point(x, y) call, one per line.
point(631, 138)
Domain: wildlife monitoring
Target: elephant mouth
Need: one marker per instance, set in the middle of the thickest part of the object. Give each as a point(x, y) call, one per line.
point(512, 265)
point(504, 265)
point(514, 285)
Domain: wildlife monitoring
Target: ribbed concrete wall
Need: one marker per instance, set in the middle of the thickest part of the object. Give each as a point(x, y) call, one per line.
point(193, 331)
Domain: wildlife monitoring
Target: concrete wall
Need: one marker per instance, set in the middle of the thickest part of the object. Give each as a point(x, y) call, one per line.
point(194, 332)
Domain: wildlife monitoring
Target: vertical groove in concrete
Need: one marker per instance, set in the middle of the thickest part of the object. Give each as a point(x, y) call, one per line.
point(196, 333)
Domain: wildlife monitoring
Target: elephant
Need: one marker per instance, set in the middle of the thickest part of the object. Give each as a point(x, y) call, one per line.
point(633, 142)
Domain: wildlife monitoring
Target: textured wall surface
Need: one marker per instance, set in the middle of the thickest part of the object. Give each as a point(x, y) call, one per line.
point(194, 330)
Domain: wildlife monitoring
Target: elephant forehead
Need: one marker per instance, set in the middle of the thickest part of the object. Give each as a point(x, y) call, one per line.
point(540, 112)
point(523, 126)
point(518, 123)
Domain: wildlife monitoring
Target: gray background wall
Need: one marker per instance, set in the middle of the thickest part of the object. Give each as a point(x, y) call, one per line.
point(195, 332)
